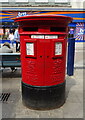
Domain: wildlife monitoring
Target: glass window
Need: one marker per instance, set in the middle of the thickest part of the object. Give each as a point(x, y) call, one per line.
point(30, 48)
point(3, 0)
point(61, 1)
point(41, 0)
point(58, 48)
point(21, 1)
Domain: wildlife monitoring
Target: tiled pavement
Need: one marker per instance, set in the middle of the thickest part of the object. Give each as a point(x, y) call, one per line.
point(73, 107)
point(13, 108)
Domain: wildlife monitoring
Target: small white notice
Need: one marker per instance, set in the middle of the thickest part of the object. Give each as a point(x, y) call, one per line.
point(58, 48)
point(37, 36)
point(30, 48)
point(51, 36)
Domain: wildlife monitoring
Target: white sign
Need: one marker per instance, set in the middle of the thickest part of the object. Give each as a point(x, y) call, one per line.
point(30, 48)
point(58, 48)
point(51, 36)
point(37, 36)
point(44, 36)
point(20, 14)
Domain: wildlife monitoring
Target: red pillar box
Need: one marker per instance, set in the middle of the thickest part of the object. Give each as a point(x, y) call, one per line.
point(43, 41)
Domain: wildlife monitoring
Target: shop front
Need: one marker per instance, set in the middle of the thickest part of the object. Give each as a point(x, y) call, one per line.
point(76, 28)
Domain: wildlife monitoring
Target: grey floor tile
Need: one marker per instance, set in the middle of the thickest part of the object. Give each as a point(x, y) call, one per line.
point(72, 97)
point(57, 113)
point(73, 110)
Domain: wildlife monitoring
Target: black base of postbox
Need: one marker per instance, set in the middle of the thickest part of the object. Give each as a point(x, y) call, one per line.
point(43, 97)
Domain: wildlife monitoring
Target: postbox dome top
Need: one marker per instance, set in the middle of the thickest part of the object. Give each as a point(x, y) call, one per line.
point(44, 17)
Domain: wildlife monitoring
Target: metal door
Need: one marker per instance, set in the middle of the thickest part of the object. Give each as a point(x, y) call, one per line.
point(42, 67)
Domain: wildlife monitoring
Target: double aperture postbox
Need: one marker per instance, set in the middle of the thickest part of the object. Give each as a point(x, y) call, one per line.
point(43, 41)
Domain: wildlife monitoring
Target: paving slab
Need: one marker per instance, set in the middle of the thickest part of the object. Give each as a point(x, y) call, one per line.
point(73, 110)
point(13, 108)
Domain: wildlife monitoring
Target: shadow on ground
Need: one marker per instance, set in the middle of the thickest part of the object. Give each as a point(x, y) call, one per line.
point(70, 82)
point(6, 73)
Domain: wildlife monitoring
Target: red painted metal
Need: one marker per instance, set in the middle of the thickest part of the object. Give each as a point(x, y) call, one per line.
point(44, 68)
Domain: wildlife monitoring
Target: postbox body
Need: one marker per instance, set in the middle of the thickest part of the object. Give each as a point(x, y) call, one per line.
point(43, 41)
